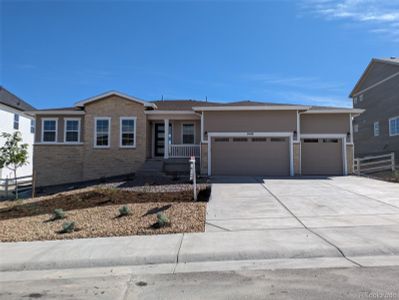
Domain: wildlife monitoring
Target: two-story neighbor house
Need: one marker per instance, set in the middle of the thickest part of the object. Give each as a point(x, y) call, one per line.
point(114, 134)
point(13, 118)
point(376, 131)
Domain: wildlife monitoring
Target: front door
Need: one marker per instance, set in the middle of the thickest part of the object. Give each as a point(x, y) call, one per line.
point(159, 143)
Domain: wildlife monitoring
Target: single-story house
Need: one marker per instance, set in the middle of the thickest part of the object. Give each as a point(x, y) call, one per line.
point(114, 134)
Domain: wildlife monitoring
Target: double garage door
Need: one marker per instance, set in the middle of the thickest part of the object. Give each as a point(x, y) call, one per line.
point(255, 156)
point(270, 156)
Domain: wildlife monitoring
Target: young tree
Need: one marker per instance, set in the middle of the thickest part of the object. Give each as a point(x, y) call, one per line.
point(13, 154)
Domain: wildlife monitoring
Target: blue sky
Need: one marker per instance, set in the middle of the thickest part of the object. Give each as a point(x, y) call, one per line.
point(54, 53)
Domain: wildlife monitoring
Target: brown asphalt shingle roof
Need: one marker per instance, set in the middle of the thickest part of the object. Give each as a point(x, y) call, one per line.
point(9, 99)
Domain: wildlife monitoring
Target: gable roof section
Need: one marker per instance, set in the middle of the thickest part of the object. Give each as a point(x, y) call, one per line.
point(9, 99)
point(181, 105)
point(389, 61)
point(250, 105)
point(114, 93)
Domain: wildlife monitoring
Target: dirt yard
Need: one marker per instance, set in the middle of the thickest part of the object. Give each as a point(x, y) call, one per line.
point(95, 212)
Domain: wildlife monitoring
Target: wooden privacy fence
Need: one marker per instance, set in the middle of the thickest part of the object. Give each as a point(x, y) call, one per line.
point(371, 164)
point(9, 185)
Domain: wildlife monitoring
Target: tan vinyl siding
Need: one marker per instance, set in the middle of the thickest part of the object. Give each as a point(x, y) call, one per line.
point(250, 121)
point(325, 123)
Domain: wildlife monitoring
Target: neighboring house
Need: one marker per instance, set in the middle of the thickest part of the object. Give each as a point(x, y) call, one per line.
point(376, 131)
point(114, 134)
point(13, 118)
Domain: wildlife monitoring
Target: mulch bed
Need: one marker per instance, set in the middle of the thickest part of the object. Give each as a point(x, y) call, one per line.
point(95, 213)
point(386, 176)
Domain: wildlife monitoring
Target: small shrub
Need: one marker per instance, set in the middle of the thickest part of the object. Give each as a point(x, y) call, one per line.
point(68, 227)
point(58, 214)
point(163, 220)
point(124, 211)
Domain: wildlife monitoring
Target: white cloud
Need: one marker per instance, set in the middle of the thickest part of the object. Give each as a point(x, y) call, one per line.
point(381, 16)
point(315, 99)
point(302, 82)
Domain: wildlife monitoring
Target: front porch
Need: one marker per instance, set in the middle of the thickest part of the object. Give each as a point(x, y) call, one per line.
point(173, 136)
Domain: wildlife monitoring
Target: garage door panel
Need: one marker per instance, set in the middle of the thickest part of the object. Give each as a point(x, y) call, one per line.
point(250, 156)
point(321, 157)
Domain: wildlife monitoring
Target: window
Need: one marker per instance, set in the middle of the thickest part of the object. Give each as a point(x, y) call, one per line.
point(188, 134)
point(330, 141)
point(102, 132)
point(311, 140)
point(354, 100)
point(49, 130)
point(72, 131)
point(16, 121)
point(259, 139)
point(128, 132)
point(240, 140)
point(277, 140)
point(394, 126)
point(376, 128)
point(361, 98)
point(356, 128)
point(222, 140)
point(32, 126)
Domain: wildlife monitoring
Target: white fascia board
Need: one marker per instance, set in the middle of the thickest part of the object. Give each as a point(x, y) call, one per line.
point(112, 93)
point(55, 112)
point(250, 134)
point(169, 112)
point(238, 108)
point(334, 111)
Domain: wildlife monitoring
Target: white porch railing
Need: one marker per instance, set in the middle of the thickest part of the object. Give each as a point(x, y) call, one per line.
point(372, 164)
point(182, 151)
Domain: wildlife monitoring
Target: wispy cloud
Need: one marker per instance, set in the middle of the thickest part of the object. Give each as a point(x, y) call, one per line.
point(316, 99)
point(380, 16)
point(303, 82)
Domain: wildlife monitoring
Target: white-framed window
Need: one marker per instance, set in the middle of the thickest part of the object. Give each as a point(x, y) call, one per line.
point(16, 121)
point(32, 126)
point(394, 126)
point(376, 128)
point(361, 97)
point(127, 132)
point(71, 130)
point(356, 128)
point(102, 132)
point(354, 100)
point(49, 130)
point(188, 133)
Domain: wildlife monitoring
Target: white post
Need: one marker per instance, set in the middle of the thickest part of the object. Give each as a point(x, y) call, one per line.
point(393, 161)
point(166, 143)
point(193, 176)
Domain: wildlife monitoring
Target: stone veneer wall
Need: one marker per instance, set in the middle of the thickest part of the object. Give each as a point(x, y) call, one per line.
point(57, 164)
point(297, 158)
point(349, 158)
point(204, 159)
point(60, 163)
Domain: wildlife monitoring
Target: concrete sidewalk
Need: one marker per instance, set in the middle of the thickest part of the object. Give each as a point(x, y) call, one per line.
point(201, 247)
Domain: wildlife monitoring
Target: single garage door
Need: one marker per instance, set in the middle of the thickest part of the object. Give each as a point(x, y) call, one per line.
point(257, 156)
point(321, 157)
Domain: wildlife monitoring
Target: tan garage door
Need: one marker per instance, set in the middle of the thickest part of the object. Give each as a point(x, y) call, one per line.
point(321, 157)
point(258, 156)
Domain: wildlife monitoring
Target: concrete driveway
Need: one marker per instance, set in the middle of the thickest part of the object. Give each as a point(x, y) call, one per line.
point(245, 203)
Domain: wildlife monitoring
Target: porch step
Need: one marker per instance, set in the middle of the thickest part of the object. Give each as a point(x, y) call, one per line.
point(179, 166)
point(151, 167)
